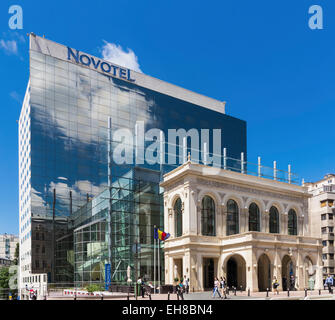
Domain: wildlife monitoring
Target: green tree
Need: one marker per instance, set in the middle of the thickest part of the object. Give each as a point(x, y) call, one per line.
point(4, 278)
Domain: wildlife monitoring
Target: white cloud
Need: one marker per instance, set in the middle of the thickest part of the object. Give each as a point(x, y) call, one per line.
point(9, 46)
point(14, 95)
point(115, 54)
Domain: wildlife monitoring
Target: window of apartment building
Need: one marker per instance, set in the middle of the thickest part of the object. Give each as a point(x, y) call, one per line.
point(331, 229)
point(331, 270)
point(330, 216)
point(324, 230)
point(331, 242)
point(323, 217)
point(324, 256)
point(37, 263)
point(325, 203)
point(324, 243)
point(331, 256)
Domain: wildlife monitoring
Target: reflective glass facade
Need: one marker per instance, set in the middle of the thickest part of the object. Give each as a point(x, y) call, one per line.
point(69, 109)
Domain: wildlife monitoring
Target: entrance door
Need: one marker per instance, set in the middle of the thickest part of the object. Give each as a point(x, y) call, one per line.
point(264, 273)
point(288, 276)
point(208, 264)
point(232, 273)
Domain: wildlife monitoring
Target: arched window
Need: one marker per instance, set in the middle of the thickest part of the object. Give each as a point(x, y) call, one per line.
point(254, 217)
point(292, 223)
point(178, 218)
point(208, 216)
point(232, 217)
point(274, 220)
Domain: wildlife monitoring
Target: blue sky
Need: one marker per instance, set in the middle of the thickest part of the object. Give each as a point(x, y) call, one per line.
point(259, 56)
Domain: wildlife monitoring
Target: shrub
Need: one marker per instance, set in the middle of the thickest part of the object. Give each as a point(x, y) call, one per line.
point(94, 287)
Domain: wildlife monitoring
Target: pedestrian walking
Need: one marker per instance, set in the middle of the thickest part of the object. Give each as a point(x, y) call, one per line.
point(275, 284)
point(329, 283)
point(180, 289)
point(140, 287)
point(292, 283)
point(216, 287)
point(223, 286)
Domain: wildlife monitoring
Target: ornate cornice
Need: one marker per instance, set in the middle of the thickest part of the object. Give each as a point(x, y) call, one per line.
point(257, 192)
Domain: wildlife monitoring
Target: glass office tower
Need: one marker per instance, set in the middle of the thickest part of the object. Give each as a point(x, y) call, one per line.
point(63, 136)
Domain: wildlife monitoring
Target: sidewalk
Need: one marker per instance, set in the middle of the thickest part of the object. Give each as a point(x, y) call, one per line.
point(208, 295)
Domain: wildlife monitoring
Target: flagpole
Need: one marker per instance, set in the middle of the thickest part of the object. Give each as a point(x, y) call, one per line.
point(159, 269)
point(154, 260)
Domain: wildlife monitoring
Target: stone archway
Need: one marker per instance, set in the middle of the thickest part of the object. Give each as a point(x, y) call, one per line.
point(236, 272)
point(309, 273)
point(288, 271)
point(264, 273)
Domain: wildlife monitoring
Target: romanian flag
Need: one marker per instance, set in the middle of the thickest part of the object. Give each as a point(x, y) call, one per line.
point(161, 235)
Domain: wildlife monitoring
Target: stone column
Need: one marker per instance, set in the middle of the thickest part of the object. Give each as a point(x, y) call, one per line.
point(252, 271)
point(187, 264)
point(189, 211)
point(199, 268)
point(220, 272)
point(224, 220)
point(170, 220)
point(172, 215)
point(263, 222)
point(246, 219)
point(300, 271)
point(319, 270)
point(283, 229)
point(194, 273)
point(193, 211)
point(243, 220)
point(199, 217)
point(301, 225)
point(266, 221)
point(277, 268)
point(170, 270)
point(219, 222)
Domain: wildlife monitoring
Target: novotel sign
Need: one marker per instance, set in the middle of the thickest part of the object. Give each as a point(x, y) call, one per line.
point(98, 64)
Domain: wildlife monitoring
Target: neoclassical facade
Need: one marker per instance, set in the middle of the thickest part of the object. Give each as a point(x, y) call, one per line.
point(246, 228)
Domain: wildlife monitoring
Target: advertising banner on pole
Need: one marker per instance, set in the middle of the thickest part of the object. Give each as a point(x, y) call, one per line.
point(107, 276)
